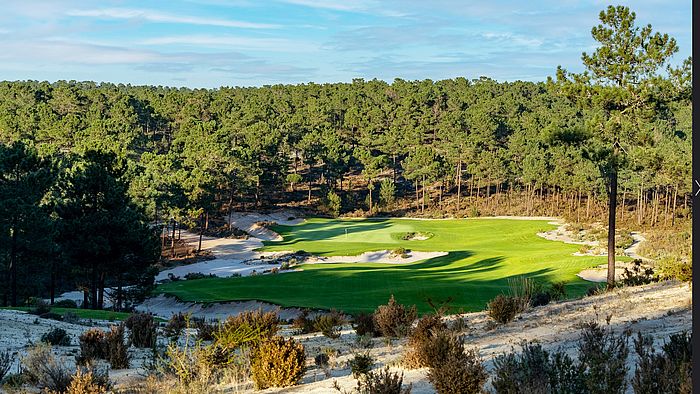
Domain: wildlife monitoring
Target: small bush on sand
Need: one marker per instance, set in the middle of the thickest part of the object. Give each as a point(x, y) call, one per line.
point(557, 291)
point(44, 370)
point(534, 370)
point(176, 323)
point(602, 359)
point(37, 306)
point(329, 324)
point(668, 371)
point(206, 330)
point(637, 275)
point(419, 341)
point(278, 362)
point(363, 324)
point(503, 309)
point(117, 349)
point(675, 268)
point(142, 330)
point(65, 304)
point(394, 319)
point(454, 370)
point(86, 382)
point(92, 346)
point(361, 364)
point(383, 382)
point(266, 323)
point(302, 324)
point(56, 337)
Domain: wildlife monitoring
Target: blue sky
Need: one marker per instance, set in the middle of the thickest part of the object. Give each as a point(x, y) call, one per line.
point(212, 43)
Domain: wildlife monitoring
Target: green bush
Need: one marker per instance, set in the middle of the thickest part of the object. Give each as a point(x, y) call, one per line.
point(534, 370)
point(329, 324)
point(142, 329)
point(117, 349)
point(56, 337)
point(602, 359)
point(454, 370)
point(503, 309)
point(675, 268)
point(668, 371)
point(37, 306)
point(333, 204)
point(278, 362)
point(557, 291)
point(638, 275)
point(394, 319)
point(387, 193)
point(65, 304)
point(361, 364)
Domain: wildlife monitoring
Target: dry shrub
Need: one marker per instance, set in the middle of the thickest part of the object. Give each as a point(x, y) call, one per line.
point(176, 324)
point(6, 361)
point(302, 324)
point(364, 325)
point(92, 346)
point(44, 370)
point(394, 319)
point(265, 323)
point(329, 324)
point(454, 370)
point(85, 382)
point(383, 382)
point(227, 339)
point(419, 341)
point(503, 309)
point(668, 371)
point(117, 349)
point(142, 329)
point(206, 330)
point(278, 362)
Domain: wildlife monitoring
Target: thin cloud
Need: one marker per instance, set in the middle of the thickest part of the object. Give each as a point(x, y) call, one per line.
point(235, 42)
point(159, 17)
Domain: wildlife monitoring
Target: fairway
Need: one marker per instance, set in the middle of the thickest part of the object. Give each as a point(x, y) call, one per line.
point(483, 254)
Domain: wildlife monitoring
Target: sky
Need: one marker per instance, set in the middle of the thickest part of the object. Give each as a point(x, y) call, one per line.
point(214, 43)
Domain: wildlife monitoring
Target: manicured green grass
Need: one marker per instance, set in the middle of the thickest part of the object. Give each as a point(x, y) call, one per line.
point(483, 254)
point(81, 313)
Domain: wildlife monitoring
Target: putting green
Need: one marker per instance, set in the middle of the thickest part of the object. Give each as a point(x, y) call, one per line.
point(483, 254)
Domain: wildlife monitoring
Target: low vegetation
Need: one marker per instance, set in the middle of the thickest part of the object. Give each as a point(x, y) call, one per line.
point(278, 362)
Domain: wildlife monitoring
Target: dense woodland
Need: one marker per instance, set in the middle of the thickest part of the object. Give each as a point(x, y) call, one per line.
point(80, 155)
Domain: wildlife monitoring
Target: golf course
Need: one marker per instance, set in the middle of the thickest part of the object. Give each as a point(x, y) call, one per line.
point(482, 255)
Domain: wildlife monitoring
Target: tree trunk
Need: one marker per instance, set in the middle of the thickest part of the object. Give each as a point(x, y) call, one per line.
point(673, 211)
point(172, 241)
point(459, 183)
point(13, 265)
point(612, 202)
point(201, 231)
point(422, 203)
point(52, 283)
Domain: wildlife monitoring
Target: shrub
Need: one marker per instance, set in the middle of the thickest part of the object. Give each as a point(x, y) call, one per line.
point(383, 382)
point(37, 306)
point(85, 382)
point(6, 361)
point(364, 325)
point(557, 291)
point(455, 370)
point(522, 289)
point(302, 324)
point(329, 324)
point(70, 317)
point(361, 364)
point(535, 370)
point(333, 204)
point(56, 337)
point(419, 341)
point(175, 325)
point(197, 275)
point(65, 304)
point(602, 359)
point(278, 362)
point(540, 299)
point(265, 323)
point(42, 369)
point(394, 319)
point(92, 346)
point(665, 372)
point(142, 329)
point(675, 268)
point(205, 330)
point(227, 339)
point(638, 275)
point(503, 309)
point(117, 350)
